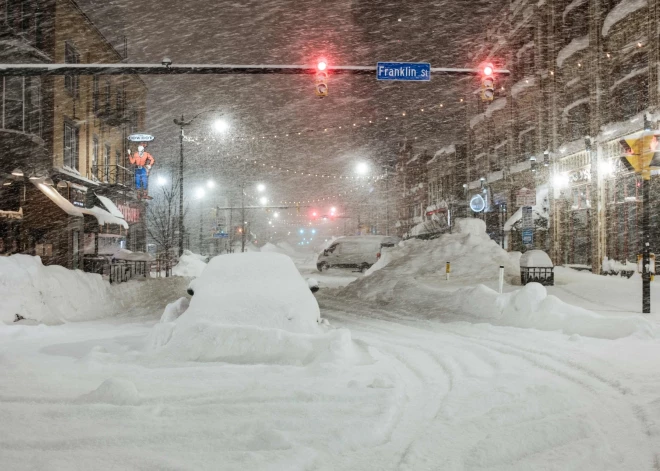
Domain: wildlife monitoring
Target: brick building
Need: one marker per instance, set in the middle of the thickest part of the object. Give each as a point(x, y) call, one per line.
point(67, 187)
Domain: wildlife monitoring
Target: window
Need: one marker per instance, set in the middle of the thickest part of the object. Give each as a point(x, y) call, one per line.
point(577, 123)
point(14, 118)
point(527, 143)
point(117, 162)
point(108, 92)
point(70, 145)
point(106, 163)
point(120, 100)
point(95, 157)
point(71, 82)
point(33, 99)
point(95, 93)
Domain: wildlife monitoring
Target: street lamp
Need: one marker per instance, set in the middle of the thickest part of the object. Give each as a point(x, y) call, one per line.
point(261, 187)
point(161, 180)
point(210, 184)
point(263, 200)
point(362, 168)
point(182, 123)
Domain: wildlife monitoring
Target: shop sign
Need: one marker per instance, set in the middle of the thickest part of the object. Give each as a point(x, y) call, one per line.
point(526, 197)
point(527, 218)
point(580, 176)
point(528, 237)
point(131, 214)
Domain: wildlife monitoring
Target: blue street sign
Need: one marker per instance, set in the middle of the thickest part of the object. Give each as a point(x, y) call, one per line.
point(412, 71)
point(528, 237)
point(220, 235)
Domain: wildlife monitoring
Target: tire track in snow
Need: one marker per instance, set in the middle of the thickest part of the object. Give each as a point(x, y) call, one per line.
point(568, 369)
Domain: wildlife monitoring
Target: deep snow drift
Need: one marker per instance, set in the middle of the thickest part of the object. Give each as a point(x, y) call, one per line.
point(249, 308)
point(411, 278)
point(190, 264)
point(54, 294)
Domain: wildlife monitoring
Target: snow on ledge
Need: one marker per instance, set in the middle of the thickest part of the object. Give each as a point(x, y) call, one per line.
point(619, 12)
point(576, 45)
point(497, 105)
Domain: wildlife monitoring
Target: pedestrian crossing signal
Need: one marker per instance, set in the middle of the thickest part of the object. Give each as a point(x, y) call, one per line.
point(321, 84)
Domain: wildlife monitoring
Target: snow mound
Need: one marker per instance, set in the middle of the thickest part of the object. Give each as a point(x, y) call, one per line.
point(532, 307)
point(190, 265)
point(50, 294)
point(250, 308)
point(175, 309)
point(474, 257)
point(116, 391)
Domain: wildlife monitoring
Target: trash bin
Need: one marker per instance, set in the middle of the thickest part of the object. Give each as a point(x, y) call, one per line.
point(536, 267)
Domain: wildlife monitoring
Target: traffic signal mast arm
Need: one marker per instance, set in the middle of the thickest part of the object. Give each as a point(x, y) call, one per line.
point(202, 69)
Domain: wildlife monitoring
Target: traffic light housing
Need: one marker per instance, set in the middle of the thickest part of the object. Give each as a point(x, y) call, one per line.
point(488, 83)
point(321, 88)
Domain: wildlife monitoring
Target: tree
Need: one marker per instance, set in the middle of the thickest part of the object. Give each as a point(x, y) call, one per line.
point(162, 221)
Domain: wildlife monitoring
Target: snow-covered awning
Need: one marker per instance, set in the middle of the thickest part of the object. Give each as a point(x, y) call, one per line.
point(63, 203)
point(104, 217)
point(11, 214)
point(538, 212)
point(110, 206)
point(620, 11)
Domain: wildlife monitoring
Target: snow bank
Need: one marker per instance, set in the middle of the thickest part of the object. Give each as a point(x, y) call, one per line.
point(411, 277)
point(50, 294)
point(175, 309)
point(472, 254)
point(116, 391)
point(249, 308)
point(532, 307)
point(190, 264)
point(55, 295)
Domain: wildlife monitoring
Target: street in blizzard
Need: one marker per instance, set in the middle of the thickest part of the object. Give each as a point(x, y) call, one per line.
point(287, 235)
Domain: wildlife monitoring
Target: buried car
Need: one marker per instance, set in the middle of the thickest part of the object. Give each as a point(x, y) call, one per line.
point(255, 288)
point(354, 252)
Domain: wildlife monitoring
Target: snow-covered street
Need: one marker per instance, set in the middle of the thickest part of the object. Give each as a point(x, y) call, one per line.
point(426, 395)
point(387, 387)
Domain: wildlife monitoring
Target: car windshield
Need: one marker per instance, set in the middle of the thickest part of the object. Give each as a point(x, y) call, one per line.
point(339, 235)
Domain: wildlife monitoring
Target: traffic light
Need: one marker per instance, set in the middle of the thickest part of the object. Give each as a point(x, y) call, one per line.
point(321, 79)
point(488, 83)
point(641, 153)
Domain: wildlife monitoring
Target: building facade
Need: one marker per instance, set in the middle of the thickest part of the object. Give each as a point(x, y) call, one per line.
point(67, 186)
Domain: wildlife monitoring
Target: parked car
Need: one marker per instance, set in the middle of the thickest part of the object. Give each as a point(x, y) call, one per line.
point(354, 252)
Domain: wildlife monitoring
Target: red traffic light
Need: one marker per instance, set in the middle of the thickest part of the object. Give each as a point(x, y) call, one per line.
point(322, 65)
point(314, 214)
point(488, 70)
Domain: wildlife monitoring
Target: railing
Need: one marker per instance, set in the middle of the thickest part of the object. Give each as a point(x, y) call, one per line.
point(163, 264)
point(117, 271)
point(113, 174)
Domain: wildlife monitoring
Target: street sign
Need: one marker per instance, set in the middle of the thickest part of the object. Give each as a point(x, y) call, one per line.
point(526, 197)
point(527, 218)
point(528, 237)
point(140, 137)
point(477, 203)
point(407, 71)
point(220, 235)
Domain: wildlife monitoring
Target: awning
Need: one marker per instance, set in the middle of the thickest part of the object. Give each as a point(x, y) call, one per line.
point(104, 217)
point(110, 206)
point(12, 215)
point(124, 254)
point(101, 215)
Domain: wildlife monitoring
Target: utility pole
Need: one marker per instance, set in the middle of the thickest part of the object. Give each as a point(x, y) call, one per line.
point(181, 124)
point(387, 201)
point(201, 225)
point(646, 242)
point(243, 217)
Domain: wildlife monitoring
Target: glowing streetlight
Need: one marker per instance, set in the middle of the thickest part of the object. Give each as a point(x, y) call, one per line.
point(210, 184)
point(221, 125)
point(263, 200)
point(362, 168)
point(276, 215)
point(261, 187)
point(200, 193)
point(161, 180)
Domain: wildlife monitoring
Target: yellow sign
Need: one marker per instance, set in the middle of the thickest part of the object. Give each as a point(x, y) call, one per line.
point(641, 153)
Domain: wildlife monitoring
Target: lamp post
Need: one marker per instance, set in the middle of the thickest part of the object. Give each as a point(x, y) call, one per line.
point(221, 126)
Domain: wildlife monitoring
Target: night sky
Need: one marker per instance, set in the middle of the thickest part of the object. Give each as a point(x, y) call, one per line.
point(359, 32)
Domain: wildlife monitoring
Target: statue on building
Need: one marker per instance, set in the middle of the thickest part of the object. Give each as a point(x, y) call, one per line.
point(143, 162)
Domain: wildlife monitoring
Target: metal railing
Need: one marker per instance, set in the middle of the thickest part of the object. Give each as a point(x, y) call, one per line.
point(113, 174)
point(117, 271)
